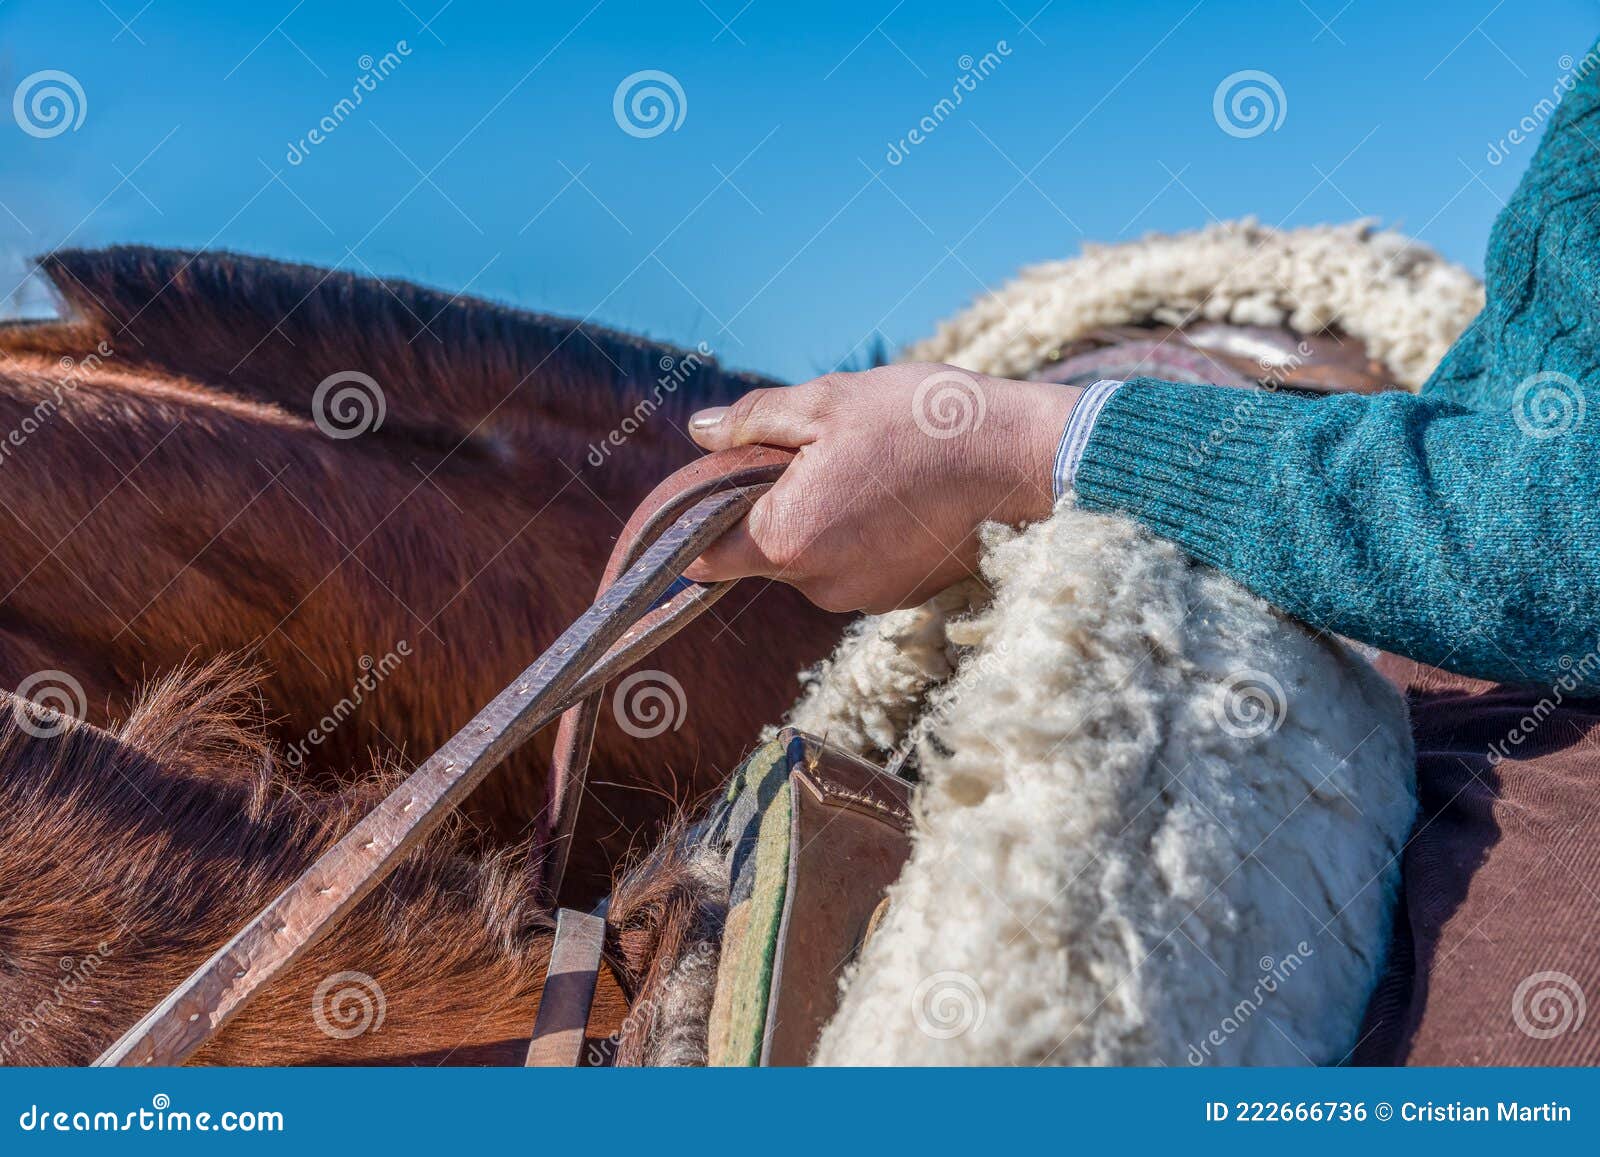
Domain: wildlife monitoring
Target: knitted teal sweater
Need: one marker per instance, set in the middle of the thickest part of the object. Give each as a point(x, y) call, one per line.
point(1460, 526)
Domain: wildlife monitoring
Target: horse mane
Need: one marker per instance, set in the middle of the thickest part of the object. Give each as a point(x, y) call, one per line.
point(152, 514)
point(131, 854)
point(447, 364)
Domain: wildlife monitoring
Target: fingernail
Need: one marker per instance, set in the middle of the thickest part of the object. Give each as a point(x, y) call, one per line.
point(706, 419)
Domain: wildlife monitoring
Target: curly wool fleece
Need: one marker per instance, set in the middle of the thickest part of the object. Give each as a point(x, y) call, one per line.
point(1404, 301)
point(1159, 823)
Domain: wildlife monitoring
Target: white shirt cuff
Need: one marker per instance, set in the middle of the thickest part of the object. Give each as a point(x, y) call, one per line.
point(1075, 438)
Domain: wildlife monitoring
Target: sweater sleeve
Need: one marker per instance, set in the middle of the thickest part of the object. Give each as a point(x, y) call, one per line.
point(1542, 266)
point(1469, 539)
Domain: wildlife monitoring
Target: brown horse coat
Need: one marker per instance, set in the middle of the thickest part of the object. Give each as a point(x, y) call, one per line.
point(129, 856)
point(170, 494)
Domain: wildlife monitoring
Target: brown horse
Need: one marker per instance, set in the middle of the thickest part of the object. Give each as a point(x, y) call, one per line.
point(390, 499)
point(129, 855)
point(178, 484)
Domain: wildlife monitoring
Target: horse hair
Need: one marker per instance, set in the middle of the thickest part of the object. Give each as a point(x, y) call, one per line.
point(170, 495)
point(130, 855)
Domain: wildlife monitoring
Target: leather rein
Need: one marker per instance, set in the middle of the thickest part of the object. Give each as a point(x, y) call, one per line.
point(643, 601)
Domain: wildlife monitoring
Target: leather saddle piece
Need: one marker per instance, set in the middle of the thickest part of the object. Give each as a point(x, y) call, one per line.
point(1241, 356)
point(811, 837)
point(575, 1023)
point(850, 835)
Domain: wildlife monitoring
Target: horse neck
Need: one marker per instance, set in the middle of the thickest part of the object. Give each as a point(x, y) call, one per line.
point(113, 897)
point(130, 856)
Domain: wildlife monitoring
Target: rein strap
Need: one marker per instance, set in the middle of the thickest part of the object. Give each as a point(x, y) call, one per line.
point(558, 1031)
point(624, 624)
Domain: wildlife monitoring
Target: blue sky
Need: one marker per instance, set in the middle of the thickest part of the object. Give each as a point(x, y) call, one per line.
point(769, 222)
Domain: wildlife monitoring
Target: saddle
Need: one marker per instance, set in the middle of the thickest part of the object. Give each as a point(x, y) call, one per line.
point(809, 838)
point(812, 836)
point(1241, 356)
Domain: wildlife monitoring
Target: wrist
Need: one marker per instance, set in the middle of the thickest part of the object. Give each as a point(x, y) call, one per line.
point(1029, 461)
point(1080, 424)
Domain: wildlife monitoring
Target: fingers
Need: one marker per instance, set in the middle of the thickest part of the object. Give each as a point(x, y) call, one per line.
point(786, 416)
point(735, 555)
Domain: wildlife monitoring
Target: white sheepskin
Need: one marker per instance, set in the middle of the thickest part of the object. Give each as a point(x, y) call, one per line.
point(1399, 297)
point(1159, 823)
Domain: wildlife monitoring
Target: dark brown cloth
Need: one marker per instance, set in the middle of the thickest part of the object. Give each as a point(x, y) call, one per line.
point(1496, 952)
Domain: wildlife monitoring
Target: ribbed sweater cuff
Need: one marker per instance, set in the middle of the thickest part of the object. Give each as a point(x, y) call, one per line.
point(1185, 460)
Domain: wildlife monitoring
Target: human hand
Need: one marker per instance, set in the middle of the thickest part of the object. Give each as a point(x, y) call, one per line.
point(897, 468)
